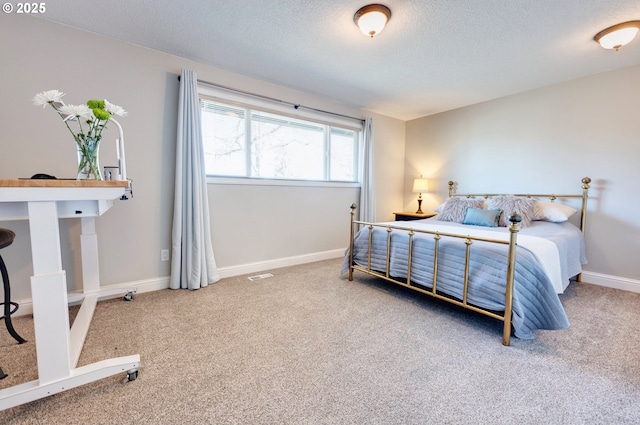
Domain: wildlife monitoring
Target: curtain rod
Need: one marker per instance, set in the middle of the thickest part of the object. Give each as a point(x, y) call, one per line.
point(295, 105)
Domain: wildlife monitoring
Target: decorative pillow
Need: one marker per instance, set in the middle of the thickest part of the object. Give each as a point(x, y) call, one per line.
point(510, 204)
point(550, 211)
point(455, 208)
point(482, 217)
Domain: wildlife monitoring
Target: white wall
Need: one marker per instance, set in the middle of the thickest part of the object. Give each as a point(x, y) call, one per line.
point(545, 141)
point(255, 225)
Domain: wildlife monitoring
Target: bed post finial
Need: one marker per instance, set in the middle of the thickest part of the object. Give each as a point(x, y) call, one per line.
point(515, 218)
point(450, 188)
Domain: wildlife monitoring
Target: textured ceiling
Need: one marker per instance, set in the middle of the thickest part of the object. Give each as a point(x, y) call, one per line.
point(433, 56)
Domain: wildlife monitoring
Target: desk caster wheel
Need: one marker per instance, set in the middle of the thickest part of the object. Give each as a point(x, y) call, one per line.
point(128, 296)
point(132, 375)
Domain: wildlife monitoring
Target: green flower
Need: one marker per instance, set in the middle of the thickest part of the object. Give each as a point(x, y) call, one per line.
point(101, 114)
point(95, 104)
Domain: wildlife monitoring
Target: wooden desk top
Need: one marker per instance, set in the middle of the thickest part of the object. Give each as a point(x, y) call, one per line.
point(61, 183)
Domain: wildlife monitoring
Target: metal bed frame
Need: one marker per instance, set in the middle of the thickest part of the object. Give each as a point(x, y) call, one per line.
point(514, 228)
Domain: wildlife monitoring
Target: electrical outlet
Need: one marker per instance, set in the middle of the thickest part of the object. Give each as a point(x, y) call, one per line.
point(164, 255)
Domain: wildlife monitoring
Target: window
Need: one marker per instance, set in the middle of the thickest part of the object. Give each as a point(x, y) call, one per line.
point(251, 140)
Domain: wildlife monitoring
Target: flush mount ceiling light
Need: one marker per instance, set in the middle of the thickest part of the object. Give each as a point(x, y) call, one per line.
point(372, 18)
point(618, 35)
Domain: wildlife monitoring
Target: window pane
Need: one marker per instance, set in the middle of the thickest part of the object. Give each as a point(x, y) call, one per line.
point(240, 141)
point(223, 133)
point(286, 148)
point(343, 150)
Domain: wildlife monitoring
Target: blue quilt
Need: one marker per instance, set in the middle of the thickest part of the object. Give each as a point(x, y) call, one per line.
point(535, 302)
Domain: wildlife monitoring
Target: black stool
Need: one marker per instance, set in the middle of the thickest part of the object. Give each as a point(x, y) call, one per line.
point(6, 239)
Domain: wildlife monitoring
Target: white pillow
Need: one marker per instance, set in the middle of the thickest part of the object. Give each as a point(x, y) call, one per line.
point(550, 211)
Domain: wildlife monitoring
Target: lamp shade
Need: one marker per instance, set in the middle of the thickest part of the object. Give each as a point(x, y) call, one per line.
point(420, 185)
point(372, 18)
point(618, 35)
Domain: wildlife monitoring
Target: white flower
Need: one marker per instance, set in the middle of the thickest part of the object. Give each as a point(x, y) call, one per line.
point(73, 111)
point(41, 99)
point(90, 120)
point(114, 109)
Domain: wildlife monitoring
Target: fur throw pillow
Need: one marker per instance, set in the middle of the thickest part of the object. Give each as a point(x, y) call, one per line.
point(456, 208)
point(510, 204)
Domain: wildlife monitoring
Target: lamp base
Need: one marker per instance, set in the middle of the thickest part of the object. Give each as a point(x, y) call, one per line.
point(419, 207)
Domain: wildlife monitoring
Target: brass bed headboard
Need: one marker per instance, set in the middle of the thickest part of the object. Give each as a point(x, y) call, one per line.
point(551, 197)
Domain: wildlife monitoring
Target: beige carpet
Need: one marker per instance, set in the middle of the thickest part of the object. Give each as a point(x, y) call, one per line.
point(307, 347)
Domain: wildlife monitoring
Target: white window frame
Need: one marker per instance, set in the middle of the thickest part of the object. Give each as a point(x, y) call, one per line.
point(259, 103)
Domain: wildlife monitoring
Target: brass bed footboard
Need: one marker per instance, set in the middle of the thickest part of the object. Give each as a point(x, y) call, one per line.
point(515, 220)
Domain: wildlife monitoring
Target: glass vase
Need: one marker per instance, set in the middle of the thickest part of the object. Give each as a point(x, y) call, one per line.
point(88, 161)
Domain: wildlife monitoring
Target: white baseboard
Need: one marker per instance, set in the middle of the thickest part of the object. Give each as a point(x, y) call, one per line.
point(148, 285)
point(609, 281)
point(279, 262)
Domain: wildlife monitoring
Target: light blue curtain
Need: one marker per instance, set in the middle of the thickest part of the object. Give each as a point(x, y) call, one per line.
point(367, 191)
point(192, 263)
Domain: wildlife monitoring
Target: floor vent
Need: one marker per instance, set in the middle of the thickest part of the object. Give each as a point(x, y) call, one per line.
point(260, 276)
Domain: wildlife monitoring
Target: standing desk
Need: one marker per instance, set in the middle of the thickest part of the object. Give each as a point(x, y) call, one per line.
point(58, 347)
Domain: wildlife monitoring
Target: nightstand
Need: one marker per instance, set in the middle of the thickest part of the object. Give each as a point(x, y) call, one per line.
point(409, 216)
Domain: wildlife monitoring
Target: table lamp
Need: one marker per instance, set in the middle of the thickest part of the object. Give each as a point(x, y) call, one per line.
point(420, 185)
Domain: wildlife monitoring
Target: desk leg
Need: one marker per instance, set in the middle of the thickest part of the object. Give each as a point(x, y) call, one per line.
point(45, 238)
point(51, 326)
point(49, 294)
point(89, 252)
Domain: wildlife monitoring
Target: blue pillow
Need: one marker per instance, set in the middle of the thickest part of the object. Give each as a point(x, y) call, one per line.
point(481, 217)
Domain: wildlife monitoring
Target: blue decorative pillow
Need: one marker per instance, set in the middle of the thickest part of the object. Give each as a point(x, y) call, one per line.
point(481, 217)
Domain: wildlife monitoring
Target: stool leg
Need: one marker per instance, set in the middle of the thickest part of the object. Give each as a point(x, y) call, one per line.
point(7, 303)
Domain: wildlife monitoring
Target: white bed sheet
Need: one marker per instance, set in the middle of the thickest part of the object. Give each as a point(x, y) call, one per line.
point(558, 247)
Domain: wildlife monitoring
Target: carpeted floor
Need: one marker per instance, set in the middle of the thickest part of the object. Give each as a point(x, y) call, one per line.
point(308, 347)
